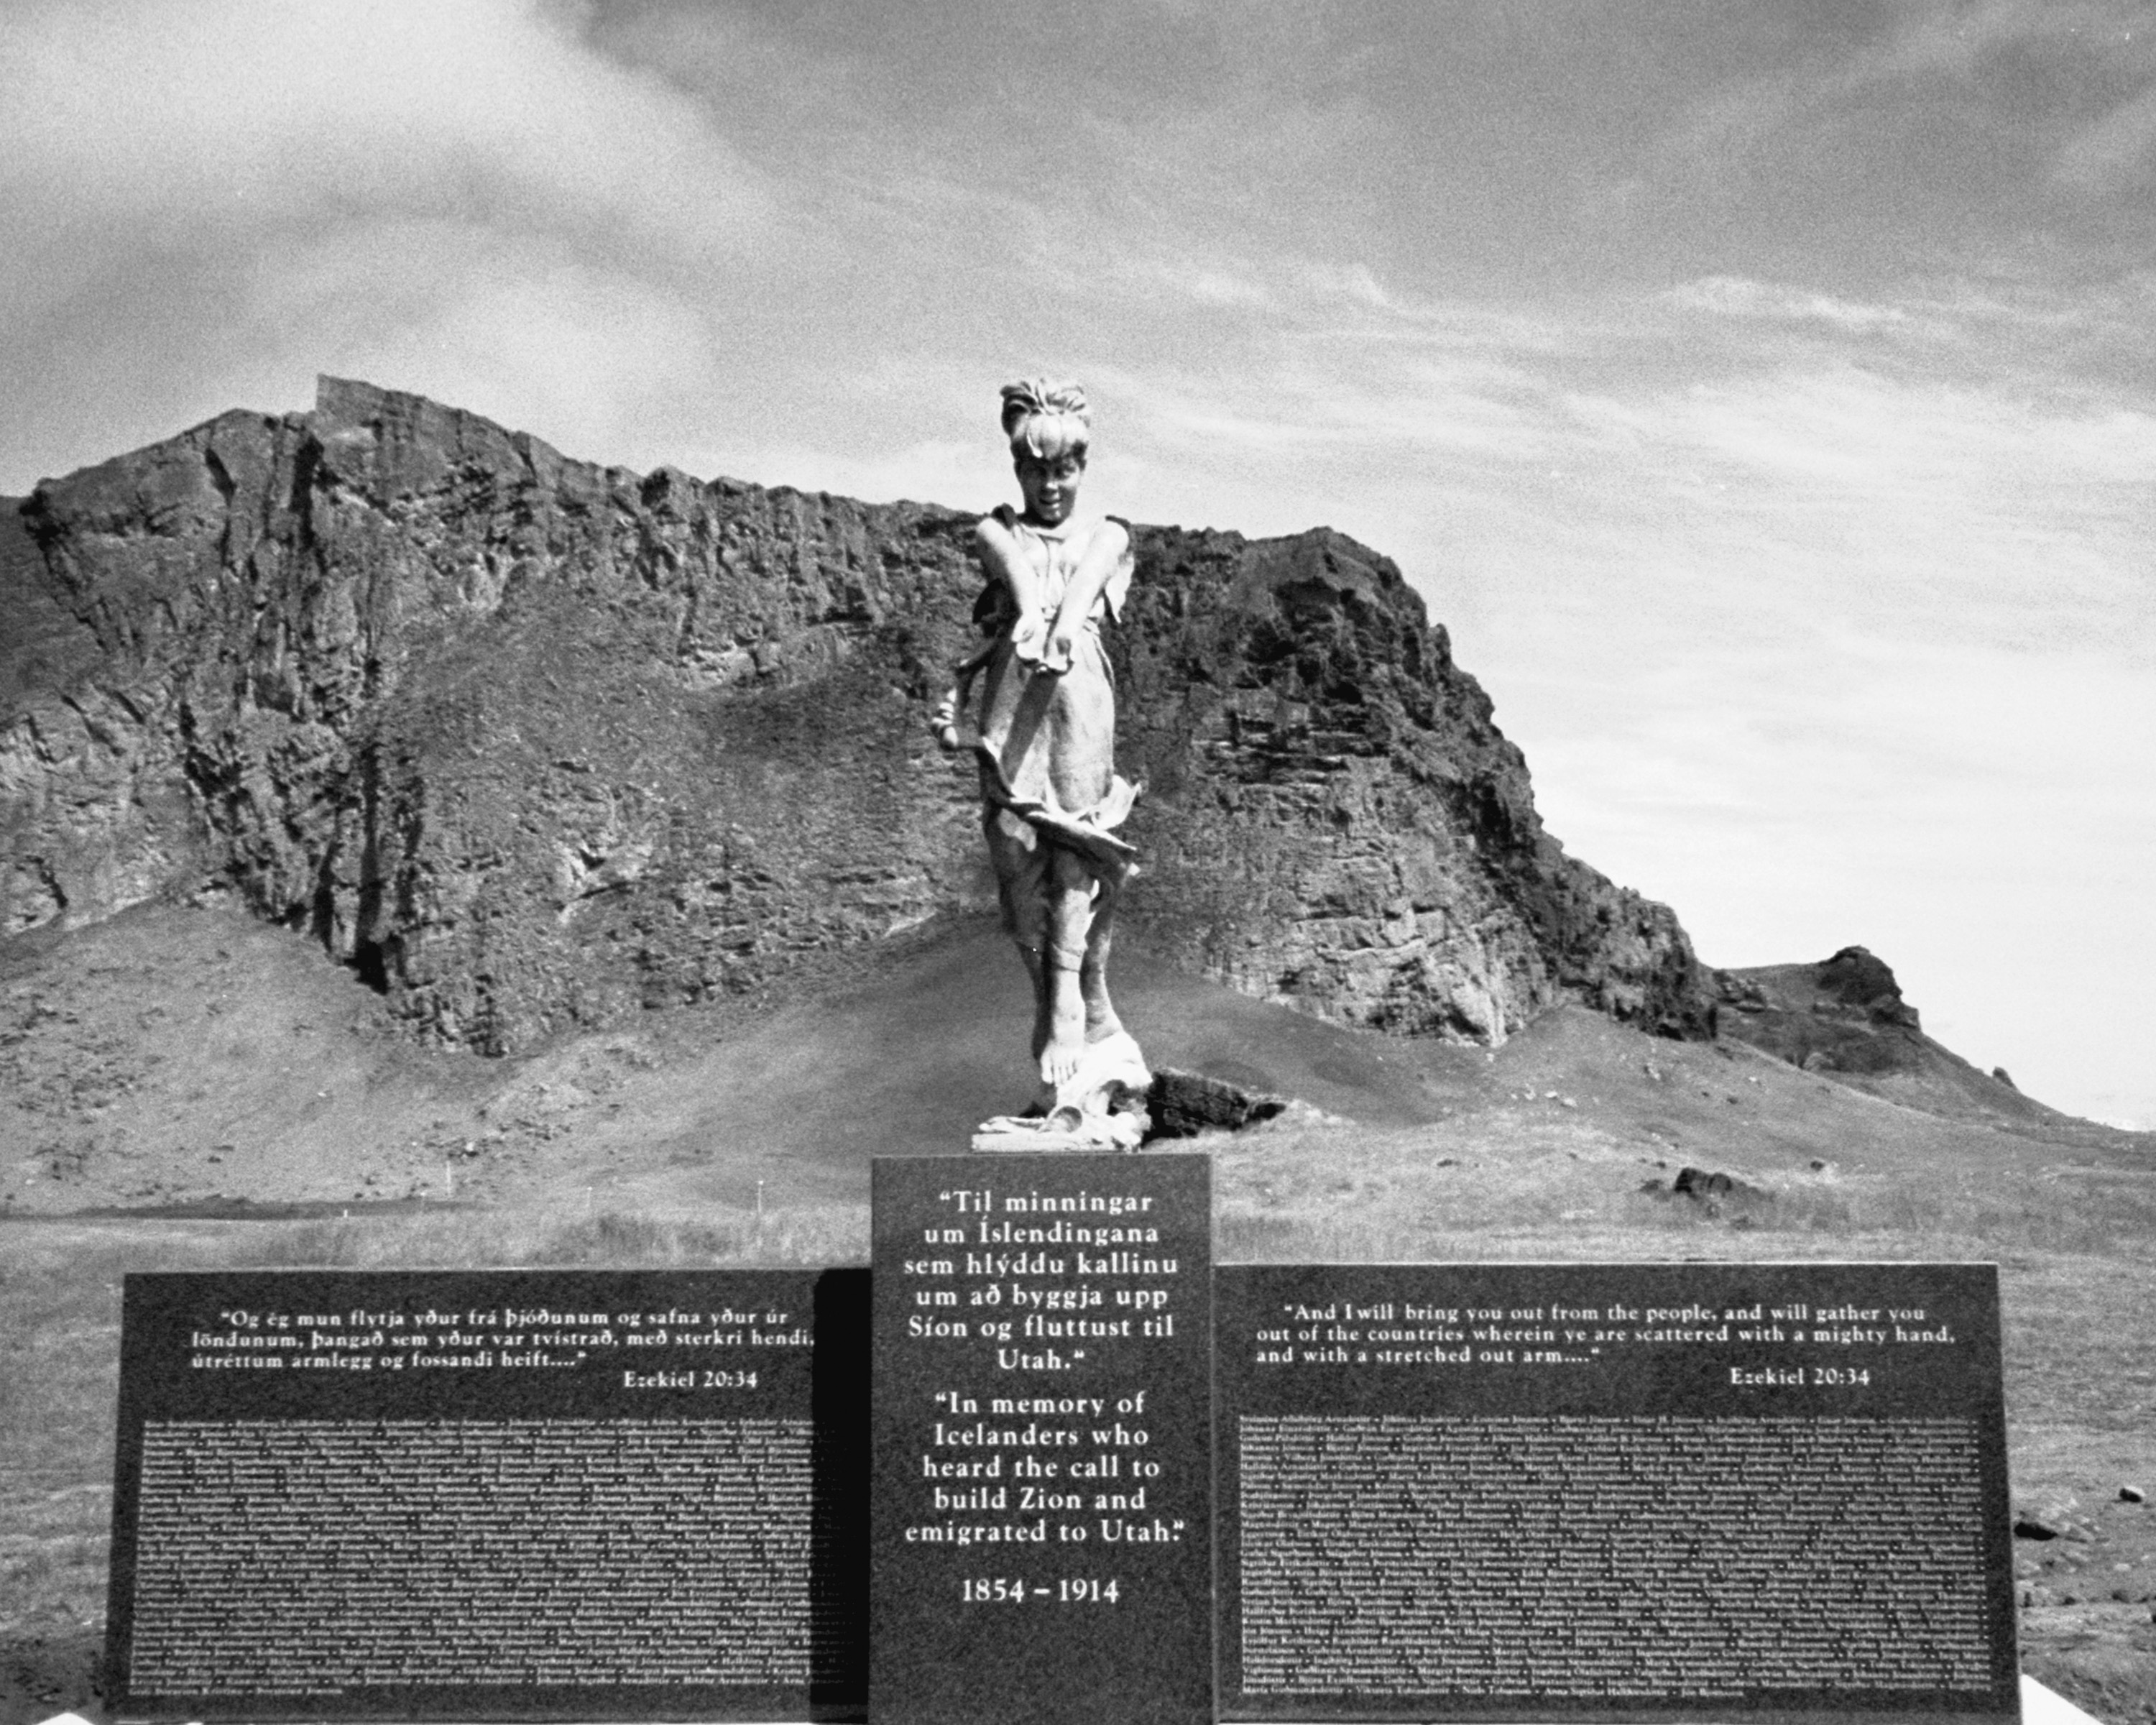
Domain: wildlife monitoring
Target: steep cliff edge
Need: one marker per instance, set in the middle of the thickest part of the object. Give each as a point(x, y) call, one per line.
point(530, 741)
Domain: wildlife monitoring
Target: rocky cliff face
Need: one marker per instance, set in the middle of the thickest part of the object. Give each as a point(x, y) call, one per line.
point(530, 742)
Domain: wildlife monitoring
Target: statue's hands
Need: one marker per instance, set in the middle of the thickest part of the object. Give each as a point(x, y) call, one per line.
point(1062, 646)
point(1029, 637)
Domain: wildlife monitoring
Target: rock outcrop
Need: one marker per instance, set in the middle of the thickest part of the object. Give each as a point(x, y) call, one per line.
point(530, 742)
point(1846, 1016)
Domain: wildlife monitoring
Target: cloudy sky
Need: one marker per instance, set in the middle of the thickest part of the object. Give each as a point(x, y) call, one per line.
point(1764, 394)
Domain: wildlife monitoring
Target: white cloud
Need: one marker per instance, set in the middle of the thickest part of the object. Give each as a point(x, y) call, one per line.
point(605, 363)
point(223, 116)
point(211, 199)
point(1859, 427)
point(1734, 296)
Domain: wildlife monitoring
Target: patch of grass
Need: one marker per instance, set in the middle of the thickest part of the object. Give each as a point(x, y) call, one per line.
point(616, 1241)
point(1241, 1237)
point(2036, 1212)
point(1371, 1198)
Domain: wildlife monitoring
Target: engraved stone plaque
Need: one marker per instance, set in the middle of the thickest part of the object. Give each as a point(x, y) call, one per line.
point(1578, 1492)
point(1041, 1519)
point(491, 1495)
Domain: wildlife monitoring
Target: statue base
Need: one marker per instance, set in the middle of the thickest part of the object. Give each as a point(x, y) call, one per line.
point(1099, 1106)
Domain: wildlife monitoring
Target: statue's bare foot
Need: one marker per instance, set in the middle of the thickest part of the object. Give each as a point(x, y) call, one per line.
point(1066, 1043)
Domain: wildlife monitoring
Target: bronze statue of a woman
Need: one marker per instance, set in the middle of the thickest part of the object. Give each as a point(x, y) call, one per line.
point(1051, 797)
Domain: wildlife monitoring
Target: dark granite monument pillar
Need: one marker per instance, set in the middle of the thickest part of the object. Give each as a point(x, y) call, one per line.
point(1041, 1533)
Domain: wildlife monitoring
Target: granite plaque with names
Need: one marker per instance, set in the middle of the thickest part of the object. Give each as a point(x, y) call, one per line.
point(491, 1495)
point(1040, 1500)
point(1556, 1491)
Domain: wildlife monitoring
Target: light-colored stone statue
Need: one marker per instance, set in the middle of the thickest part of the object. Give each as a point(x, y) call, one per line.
point(1050, 795)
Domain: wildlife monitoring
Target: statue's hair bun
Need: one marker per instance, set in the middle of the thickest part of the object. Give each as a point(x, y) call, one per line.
point(1035, 398)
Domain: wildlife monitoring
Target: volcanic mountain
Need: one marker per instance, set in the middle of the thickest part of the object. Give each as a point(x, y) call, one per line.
point(533, 744)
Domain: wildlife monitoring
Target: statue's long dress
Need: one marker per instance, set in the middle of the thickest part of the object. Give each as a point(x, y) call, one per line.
point(1047, 742)
point(1053, 800)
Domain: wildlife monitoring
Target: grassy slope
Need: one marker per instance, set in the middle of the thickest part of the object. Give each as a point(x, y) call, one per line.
point(173, 1057)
